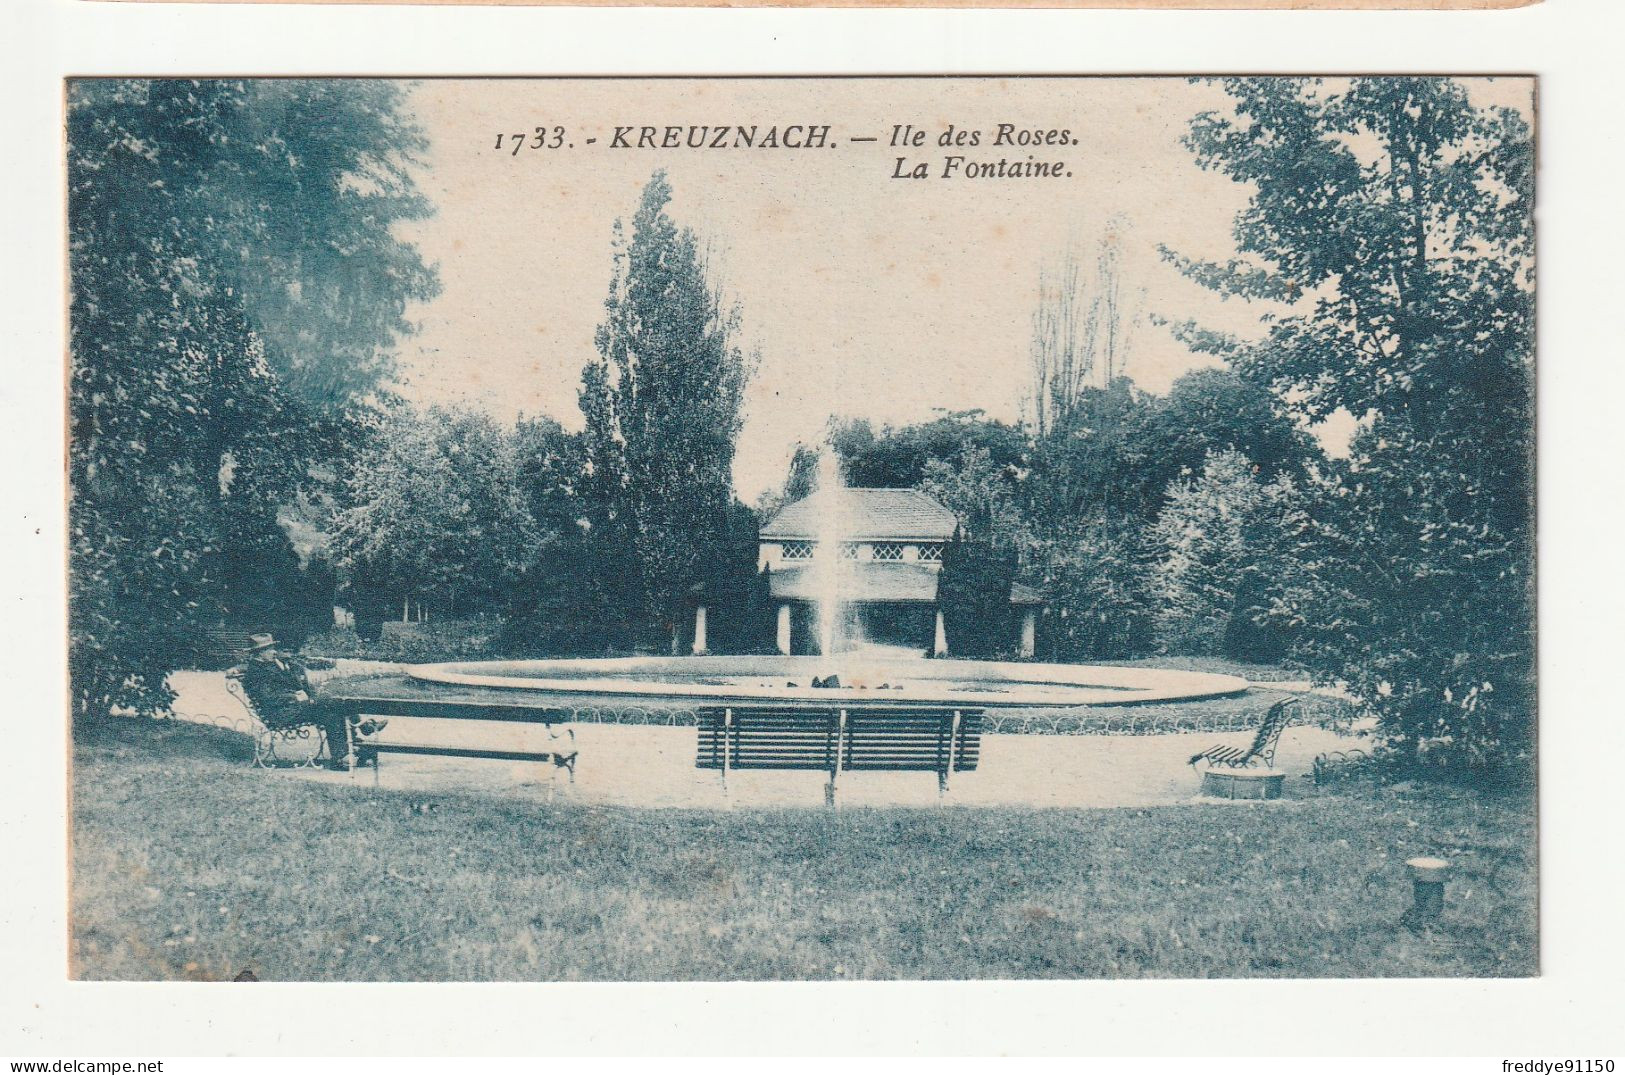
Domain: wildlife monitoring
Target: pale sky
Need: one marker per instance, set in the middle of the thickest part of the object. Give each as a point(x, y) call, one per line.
point(865, 295)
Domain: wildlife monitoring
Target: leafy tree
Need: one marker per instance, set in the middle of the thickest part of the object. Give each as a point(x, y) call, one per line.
point(190, 428)
point(1221, 559)
point(437, 512)
point(982, 495)
point(571, 603)
point(741, 615)
point(1216, 410)
point(662, 403)
point(1391, 221)
point(401, 496)
point(1204, 554)
point(896, 458)
point(500, 539)
point(1106, 460)
point(799, 483)
point(989, 547)
point(1095, 575)
point(549, 463)
point(555, 607)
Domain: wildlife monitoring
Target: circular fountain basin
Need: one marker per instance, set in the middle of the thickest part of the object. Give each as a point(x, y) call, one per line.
point(864, 680)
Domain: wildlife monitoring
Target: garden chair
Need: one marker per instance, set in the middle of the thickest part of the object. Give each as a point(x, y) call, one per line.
point(1262, 749)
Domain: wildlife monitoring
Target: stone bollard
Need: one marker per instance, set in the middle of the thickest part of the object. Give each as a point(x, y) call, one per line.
point(1427, 882)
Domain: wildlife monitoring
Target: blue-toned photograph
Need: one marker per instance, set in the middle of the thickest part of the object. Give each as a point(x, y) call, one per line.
point(706, 529)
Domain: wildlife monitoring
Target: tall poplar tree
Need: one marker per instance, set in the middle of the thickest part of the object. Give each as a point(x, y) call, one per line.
point(663, 407)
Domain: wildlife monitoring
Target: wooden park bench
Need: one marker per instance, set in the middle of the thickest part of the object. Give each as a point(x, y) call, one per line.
point(839, 739)
point(364, 748)
point(367, 713)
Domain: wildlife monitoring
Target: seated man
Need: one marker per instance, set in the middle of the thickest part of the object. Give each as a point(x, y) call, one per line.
point(278, 684)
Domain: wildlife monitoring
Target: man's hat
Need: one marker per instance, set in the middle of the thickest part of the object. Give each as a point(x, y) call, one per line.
point(261, 642)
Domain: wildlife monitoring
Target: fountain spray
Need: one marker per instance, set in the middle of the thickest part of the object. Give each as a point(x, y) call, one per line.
point(826, 565)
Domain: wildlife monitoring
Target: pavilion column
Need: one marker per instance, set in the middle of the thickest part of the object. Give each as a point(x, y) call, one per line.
point(699, 629)
point(784, 629)
point(939, 645)
point(1029, 631)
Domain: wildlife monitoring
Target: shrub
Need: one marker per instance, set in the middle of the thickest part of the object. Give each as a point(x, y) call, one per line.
point(1096, 579)
point(973, 591)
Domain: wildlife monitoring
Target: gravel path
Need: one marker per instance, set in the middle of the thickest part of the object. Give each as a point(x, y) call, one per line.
point(652, 766)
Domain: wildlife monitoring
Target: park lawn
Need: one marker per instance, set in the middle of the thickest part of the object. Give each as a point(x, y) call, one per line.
point(188, 864)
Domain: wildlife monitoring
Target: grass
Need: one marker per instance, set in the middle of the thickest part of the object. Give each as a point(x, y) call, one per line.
point(191, 865)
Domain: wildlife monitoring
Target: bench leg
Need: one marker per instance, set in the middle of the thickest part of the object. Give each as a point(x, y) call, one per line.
point(829, 793)
point(361, 758)
point(942, 784)
point(349, 755)
point(264, 748)
point(566, 762)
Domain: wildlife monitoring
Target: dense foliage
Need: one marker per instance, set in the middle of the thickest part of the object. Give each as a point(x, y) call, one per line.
point(1096, 578)
point(1393, 218)
point(973, 591)
point(742, 617)
point(200, 213)
point(436, 515)
point(1222, 542)
point(898, 458)
point(1075, 510)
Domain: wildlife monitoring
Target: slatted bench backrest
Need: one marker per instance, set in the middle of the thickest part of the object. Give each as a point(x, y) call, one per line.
point(879, 738)
point(446, 709)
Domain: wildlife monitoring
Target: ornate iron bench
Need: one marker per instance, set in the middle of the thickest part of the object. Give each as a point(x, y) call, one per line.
point(272, 736)
point(839, 739)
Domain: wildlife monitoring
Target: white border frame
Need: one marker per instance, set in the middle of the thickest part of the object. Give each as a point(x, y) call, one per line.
point(1573, 1010)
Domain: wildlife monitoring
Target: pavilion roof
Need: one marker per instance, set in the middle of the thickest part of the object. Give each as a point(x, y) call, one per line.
point(866, 515)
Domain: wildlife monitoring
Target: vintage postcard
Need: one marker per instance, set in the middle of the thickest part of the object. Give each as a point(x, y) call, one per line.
point(802, 528)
